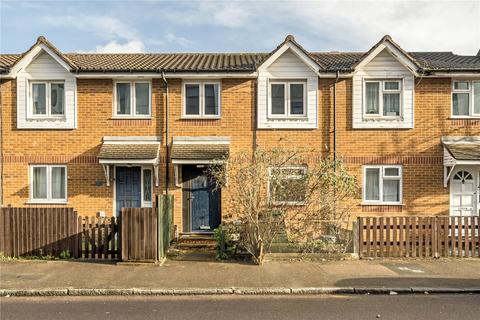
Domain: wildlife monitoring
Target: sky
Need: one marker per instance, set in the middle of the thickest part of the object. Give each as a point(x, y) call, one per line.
point(239, 26)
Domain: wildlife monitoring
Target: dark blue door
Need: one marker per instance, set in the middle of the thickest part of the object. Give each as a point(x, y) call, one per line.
point(203, 201)
point(128, 188)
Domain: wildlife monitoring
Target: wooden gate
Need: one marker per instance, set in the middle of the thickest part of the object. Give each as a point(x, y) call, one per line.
point(418, 236)
point(138, 234)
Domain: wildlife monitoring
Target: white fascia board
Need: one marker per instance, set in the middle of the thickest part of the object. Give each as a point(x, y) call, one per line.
point(305, 59)
point(394, 52)
point(126, 161)
point(193, 161)
point(444, 74)
point(29, 57)
point(169, 75)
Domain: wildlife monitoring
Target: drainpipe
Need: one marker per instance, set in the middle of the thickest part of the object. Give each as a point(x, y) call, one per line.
point(335, 117)
point(167, 151)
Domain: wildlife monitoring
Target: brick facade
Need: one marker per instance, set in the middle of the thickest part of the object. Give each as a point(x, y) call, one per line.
point(418, 150)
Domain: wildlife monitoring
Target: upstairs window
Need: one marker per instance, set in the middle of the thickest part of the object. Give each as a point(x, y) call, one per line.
point(47, 99)
point(466, 98)
point(382, 184)
point(383, 98)
point(201, 100)
point(287, 99)
point(132, 99)
point(48, 183)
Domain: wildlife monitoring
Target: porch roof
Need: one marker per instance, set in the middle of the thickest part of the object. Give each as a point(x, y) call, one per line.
point(129, 149)
point(199, 149)
point(463, 148)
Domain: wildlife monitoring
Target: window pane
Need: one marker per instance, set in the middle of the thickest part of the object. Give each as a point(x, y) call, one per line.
point(147, 185)
point(211, 99)
point(142, 92)
point(392, 85)
point(288, 190)
point(39, 98)
point(57, 94)
point(461, 104)
point(39, 183)
point(476, 98)
point(392, 172)
point(371, 98)
point(58, 183)
point(123, 98)
point(372, 184)
point(391, 104)
point(192, 99)
point(391, 190)
point(296, 99)
point(460, 85)
point(278, 98)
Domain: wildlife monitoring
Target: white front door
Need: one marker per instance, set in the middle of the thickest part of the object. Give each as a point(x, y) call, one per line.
point(464, 192)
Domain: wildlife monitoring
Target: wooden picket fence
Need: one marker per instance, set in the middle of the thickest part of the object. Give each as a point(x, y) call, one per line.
point(414, 236)
point(57, 232)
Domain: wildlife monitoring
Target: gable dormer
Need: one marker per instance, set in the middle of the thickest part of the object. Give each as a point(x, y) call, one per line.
point(383, 88)
point(46, 88)
point(287, 88)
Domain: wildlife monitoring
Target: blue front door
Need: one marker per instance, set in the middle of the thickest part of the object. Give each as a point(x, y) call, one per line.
point(202, 201)
point(128, 188)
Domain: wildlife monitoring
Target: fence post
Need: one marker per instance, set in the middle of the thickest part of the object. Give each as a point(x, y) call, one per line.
point(356, 235)
point(160, 236)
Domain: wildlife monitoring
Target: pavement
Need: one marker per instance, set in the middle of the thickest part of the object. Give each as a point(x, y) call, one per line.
point(325, 307)
point(211, 277)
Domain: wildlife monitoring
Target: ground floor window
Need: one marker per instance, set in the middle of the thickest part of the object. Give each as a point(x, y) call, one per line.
point(382, 184)
point(287, 185)
point(48, 183)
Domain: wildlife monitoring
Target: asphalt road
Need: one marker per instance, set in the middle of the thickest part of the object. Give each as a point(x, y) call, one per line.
point(249, 307)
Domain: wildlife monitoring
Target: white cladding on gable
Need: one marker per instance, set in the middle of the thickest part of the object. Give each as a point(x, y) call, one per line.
point(45, 67)
point(384, 66)
point(287, 67)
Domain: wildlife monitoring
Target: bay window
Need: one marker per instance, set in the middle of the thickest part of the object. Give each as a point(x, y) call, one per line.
point(287, 99)
point(132, 99)
point(47, 99)
point(382, 184)
point(382, 98)
point(48, 183)
point(201, 99)
point(466, 98)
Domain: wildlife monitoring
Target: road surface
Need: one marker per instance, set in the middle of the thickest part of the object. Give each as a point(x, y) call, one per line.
point(244, 307)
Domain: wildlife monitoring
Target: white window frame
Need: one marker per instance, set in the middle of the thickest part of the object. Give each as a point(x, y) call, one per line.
point(287, 114)
point(381, 92)
point(48, 93)
point(471, 98)
point(133, 107)
point(287, 177)
point(382, 177)
point(49, 198)
point(201, 101)
point(147, 204)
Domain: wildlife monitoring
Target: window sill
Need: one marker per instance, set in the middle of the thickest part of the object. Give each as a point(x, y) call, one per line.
point(381, 204)
point(200, 118)
point(45, 202)
point(465, 118)
point(302, 118)
point(60, 118)
point(132, 118)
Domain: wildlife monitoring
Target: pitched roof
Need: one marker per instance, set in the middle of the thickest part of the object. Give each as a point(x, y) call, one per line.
point(238, 62)
point(200, 148)
point(463, 148)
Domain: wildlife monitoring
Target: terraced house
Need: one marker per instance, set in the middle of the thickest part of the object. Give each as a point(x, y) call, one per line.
point(99, 132)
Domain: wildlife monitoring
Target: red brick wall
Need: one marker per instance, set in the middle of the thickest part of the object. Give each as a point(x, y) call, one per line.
point(418, 149)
